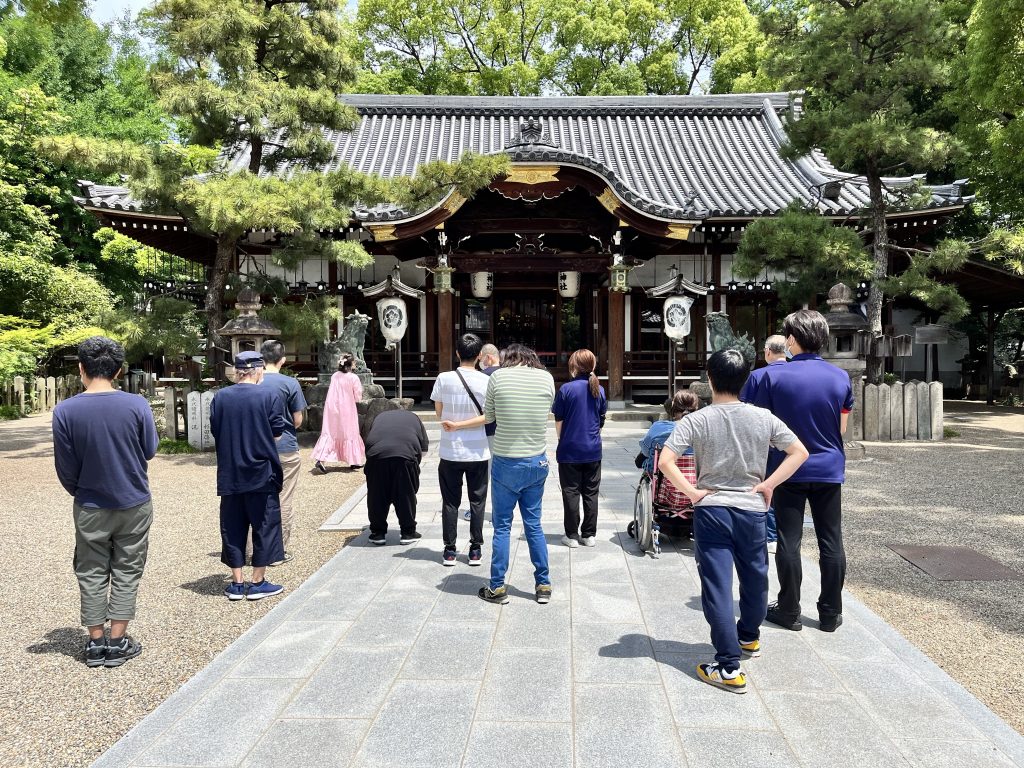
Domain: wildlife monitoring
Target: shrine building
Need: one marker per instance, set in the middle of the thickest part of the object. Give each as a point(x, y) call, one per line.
point(607, 199)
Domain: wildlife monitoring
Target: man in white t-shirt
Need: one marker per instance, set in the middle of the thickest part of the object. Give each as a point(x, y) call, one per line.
point(459, 395)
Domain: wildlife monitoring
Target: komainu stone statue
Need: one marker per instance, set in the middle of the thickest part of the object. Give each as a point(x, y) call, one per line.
point(722, 337)
point(351, 341)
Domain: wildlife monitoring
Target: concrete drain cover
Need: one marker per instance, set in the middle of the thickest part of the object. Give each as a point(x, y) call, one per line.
point(955, 563)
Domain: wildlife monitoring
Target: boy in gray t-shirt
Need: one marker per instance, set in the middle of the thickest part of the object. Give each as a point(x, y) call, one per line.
point(730, 441)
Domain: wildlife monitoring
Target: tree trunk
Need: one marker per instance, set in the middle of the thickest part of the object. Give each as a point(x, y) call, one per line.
point(880, 248)
point(223, 261)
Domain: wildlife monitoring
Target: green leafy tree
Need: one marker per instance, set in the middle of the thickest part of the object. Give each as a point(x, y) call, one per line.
point(574, 47)
point(993, 112)
point(257, 81)
point(864, 65)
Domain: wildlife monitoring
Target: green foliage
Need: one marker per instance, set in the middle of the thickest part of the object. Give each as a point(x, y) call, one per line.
point(578, 47)
point(948, 433)
point(993, 117)
point(812, 253)
point(169, 326)
point(308, 319)
point(168, 446)
point(9, 412)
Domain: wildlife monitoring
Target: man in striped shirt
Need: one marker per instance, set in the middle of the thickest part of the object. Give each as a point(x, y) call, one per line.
point(519, 397)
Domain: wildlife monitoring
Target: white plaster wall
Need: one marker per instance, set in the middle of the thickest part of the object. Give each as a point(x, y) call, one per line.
point(904, 321)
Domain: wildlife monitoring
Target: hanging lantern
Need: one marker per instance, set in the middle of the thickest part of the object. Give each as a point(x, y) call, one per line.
point(619, 276)
point(676, 312)
point(394, 319)
point(482, 283)
point(568, 284)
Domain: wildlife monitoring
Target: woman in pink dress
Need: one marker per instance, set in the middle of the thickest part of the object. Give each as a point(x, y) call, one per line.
point(339, 435)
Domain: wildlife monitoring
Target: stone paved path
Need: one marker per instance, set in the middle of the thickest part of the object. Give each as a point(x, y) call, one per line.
point(386, 658)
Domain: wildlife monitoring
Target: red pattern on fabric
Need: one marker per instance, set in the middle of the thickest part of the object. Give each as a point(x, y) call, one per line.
point(670, 499)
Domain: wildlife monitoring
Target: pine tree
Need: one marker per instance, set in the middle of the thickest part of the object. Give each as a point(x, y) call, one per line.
point(866, 65)
point(256, 81)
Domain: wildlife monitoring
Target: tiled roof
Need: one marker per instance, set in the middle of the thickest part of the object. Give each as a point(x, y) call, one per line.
point(673, 157)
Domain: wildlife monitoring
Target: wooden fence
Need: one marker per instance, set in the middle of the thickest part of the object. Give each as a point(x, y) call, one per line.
point(885, 412)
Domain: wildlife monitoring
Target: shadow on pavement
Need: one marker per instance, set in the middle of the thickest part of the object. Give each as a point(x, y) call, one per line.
point(67, 641)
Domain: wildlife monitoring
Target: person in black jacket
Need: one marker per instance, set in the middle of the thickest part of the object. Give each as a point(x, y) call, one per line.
point(395, 446)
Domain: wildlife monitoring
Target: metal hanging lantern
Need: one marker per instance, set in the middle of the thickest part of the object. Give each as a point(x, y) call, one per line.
point(676, 314)
point(482, 284)
point(394, 320)
point(568, 284)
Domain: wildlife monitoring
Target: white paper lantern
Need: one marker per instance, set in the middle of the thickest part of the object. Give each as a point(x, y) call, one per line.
point(676, 312)
point(569, 284)
point(394, 320)
point(483, 284)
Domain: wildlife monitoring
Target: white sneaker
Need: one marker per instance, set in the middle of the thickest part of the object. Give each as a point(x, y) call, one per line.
point(570, 542)
point(771, 547)
point(467, 515)
point(588, 541)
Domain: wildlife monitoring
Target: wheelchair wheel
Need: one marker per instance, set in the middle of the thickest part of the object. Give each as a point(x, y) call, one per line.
point(643, 515)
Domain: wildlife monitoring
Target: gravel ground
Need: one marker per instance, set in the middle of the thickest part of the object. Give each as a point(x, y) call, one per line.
point(56, 711)
point(965, 491)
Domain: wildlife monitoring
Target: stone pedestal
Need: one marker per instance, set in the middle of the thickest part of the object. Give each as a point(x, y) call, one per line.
point(373, 402)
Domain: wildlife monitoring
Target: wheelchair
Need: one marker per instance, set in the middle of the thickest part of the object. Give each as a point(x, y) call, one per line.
point(661, 509)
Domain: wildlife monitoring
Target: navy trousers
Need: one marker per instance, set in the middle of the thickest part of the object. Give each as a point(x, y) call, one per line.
point(258, 511)
point(726, 537)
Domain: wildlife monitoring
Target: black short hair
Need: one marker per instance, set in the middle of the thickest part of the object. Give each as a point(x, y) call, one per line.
point(272, 351)
point(727, 371)
point(468, 347)
point(808, 328)
point(101, 358)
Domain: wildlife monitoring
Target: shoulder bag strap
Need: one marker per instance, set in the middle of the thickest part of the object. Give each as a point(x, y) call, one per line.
point(470, 391)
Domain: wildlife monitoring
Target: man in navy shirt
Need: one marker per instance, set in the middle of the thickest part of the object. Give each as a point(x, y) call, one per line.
point(774, 354)
point(246, 421)
point(103, 440)
point(294, 403)
point(814, 399)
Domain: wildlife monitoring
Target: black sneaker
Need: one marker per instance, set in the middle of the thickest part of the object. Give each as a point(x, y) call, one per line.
point(410, 538)
point(448, 558)
point(497, 596)
point(378, 539)
point(96, 652)
point(475, 555)
point(543, 593)
point(118, 652)
point(830, 623)
point(320, 468)
point(774, 616)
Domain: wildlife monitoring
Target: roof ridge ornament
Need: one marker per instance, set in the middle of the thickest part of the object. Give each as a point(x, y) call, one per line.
point(530, 133)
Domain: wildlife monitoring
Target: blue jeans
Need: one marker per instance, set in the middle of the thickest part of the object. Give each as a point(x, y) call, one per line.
point(773, 531)
point(518, 481)
point(724, 537)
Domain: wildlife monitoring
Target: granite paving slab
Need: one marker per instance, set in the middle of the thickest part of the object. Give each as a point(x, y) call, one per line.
point(387, 658)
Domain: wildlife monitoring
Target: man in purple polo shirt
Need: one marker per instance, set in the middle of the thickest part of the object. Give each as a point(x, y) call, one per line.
point(814, 399)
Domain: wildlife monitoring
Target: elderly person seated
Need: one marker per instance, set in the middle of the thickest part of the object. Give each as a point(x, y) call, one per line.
point(682, 403)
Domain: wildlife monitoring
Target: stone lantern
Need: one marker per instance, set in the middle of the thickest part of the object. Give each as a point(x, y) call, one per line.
point(847, 333)
point(248, 330)
point(848, 342)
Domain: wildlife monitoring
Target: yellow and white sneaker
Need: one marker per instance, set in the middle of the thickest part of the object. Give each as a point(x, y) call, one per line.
point(750, 650)
point(713, 674)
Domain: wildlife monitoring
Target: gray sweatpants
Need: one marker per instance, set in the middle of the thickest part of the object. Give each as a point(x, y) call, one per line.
point(110, 554)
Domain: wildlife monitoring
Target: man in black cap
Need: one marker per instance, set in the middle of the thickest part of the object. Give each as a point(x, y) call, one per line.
point(246, 422)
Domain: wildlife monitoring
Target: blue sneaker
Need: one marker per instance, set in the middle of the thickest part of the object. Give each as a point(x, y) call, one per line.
point(257, 591)
point(235, 591)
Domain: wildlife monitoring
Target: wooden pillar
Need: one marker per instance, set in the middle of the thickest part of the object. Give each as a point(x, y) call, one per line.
point(616, 343)
point(990, 355)
point(445, 331)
